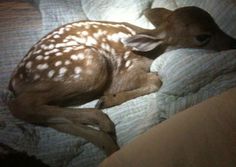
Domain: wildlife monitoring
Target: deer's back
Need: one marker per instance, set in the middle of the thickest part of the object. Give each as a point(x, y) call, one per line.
point(66, 51)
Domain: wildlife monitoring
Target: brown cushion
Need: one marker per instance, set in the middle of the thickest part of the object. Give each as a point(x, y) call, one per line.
point(201, 136)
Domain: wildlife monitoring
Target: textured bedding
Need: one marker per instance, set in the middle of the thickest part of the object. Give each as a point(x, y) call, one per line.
point(189, 76)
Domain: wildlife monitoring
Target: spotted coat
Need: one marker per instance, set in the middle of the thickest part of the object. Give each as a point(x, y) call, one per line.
point(65, 54)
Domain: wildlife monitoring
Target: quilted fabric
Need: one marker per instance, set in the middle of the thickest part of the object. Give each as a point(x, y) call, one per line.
point(189, 77)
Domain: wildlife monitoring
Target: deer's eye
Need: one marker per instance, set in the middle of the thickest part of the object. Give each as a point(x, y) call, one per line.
point(203, 39)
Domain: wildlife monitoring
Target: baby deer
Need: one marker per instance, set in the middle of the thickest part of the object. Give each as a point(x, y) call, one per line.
point(86, 60)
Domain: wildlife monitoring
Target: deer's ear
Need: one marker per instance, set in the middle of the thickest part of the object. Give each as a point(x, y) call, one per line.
point(157, 15)
point(142, 42)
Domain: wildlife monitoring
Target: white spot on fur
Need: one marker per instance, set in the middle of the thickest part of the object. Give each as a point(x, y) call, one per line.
point(77, 70)
point(95, 26)
point(68, 49)
point(42, 66)
point(91, 41)
point(46, 53)
point(101, 51)
point(77, 24)
point(51, 51)
point(58, 63)
point(86, 26)
point(84, 33)
point(67, 62)
point(77, 39)
point(39, 57)
point(62, 71)
point(79, 47)
point(61, 31)
point(96, 35)
point(74, 57)
point(56, 36)
point(38, 51)
point(104, 32)
point(59, 54)
point(57, 79)
point(36, 76)
point(51, 46)
point(112, 50)
point(26, 57)
point(42, 40)
point(71, 43)
point(81, 40)
point(128, 63)
point(105, 46)
point(119, 62)
point(54, 50)
point(76, 76)
point(29, 54)
point(113, 38)
point(67, 28)
point(117, 37)
point(29, 65)
point(52, 40)
point(65, 40)
point(51, 73)
point(46, 58)
point(127, 55)
point(100, 32)
point(54, 32)
point(80, 56)
point(130, 67)
point(43, 46)
point(59, 45)
point(49, 36)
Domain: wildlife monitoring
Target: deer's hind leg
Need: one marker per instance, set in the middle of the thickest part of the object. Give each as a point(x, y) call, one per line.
point(40, 103)
point(73, 121)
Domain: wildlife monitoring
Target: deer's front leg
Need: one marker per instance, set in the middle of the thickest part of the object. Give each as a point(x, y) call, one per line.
point(150, 84)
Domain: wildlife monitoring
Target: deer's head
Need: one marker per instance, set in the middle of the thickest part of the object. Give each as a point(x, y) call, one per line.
point(187, 27)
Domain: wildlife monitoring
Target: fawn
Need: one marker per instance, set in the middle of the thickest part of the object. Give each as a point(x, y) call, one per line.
point(86, 60)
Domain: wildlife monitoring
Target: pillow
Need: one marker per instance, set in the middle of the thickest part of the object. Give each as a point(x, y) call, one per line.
point(119, 11)
point(59, 12)
point(190, 76)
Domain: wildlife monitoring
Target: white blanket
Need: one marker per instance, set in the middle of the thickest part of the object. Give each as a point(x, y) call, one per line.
point(189, 77)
